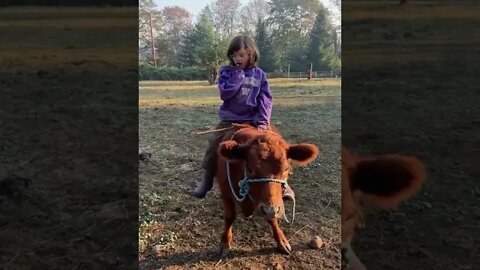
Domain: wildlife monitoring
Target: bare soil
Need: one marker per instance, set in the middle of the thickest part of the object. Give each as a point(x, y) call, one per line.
point(180, 232)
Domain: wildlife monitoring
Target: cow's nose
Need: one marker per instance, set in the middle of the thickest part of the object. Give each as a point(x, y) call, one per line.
point(269, 211)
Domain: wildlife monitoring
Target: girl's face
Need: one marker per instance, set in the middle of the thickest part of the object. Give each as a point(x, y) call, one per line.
point(241, 58)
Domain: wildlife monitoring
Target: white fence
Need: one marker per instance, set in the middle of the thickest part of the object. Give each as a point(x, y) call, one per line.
point(315, 74)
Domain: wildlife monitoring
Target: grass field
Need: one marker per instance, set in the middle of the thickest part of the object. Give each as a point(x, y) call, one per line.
point(67, 37)
point(414, 68)
point(180, 232)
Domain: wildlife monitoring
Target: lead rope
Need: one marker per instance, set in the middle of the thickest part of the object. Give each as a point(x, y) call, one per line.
point(293, 213)
point(242, 184)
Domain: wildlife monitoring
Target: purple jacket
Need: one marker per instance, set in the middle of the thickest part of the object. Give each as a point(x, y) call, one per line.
point(246, 95)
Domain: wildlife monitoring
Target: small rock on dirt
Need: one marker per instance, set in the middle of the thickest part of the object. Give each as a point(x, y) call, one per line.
point(157, 250)
point(277, 266)
point(316, 242)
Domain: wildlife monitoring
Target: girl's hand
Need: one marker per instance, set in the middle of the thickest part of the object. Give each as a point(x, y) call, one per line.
point(237, 67)
point(261, 129)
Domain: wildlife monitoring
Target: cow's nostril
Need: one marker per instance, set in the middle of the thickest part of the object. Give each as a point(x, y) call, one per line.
point(270, 210)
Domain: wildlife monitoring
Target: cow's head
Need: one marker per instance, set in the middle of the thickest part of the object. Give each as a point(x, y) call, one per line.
point(268, 156)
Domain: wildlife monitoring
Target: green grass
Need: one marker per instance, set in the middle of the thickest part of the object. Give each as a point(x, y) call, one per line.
point(385, 33)
point(63, 37)
point(287, 92)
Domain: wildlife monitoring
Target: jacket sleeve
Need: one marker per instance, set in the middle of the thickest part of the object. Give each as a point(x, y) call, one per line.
point(230, 82)
point(264, 101)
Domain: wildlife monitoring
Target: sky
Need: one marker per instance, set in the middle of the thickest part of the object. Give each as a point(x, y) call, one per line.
point(195, 6)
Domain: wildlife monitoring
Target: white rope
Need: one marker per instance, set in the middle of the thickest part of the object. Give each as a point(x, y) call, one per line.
point(244, 188)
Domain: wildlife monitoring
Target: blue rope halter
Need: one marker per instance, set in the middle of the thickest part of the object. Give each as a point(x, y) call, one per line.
point(245, 187)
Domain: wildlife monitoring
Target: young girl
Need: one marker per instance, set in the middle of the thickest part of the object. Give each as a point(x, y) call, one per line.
point(247, 98)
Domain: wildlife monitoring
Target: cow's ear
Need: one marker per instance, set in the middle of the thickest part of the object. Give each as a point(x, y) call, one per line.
point(302, 154)
point(389, 179)
point(232, 151)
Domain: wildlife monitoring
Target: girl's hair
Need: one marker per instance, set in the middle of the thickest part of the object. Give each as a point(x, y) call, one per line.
point(246, 43)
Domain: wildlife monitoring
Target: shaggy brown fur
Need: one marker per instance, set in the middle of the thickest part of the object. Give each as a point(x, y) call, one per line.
point(265, 155)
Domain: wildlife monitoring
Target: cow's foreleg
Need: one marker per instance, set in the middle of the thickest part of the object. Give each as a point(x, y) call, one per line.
point(282, 242)
point(229, 217)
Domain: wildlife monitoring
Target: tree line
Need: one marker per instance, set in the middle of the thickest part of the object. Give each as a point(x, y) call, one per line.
point(290, 34)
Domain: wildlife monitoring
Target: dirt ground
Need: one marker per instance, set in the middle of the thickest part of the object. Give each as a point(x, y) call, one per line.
point(64, 112)
point(410, 87)
point(180, 232)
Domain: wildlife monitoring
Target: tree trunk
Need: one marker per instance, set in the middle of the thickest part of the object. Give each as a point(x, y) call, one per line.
point(213, 74)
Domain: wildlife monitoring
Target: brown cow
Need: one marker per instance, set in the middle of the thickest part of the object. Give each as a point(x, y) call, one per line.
point(377, 182)
point(260, 160)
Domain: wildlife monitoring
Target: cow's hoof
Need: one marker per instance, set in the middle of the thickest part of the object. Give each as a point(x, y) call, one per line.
point(285, 248)
point(223, 251)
